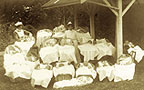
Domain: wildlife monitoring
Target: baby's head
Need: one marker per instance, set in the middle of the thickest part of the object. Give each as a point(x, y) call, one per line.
point(69, 42)
point(62, 42)
point(50, 42)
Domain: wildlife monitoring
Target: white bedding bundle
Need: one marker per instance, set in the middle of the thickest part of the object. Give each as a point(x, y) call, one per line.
point(65, 69)
point(67, 53)
point(84, 76)
point(42, 76)
point(25, 46)
point(49, 54)
point(59, 35)
point(79, 81)
point(124, 72)
point(89, 51)
point(42, 35)
point(104, 49)
point(16, 64)
point(86, 70)
point(83, 37)
point(138, 51)
point(106, 72)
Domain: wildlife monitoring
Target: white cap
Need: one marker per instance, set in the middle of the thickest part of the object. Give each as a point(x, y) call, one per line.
point(18, 23)
point(69, 23)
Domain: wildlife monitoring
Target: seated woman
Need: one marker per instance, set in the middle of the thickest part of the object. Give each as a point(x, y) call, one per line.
point(133, 50)
point(24, 39)
point(20, 34)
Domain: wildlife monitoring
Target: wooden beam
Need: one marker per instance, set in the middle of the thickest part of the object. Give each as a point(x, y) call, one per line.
point(128, 7)
point(119, 31)
point(60, 5)
point(107, 3)
point(104, 5)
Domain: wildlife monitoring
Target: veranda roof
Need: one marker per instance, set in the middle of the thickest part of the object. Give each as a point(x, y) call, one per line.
point(116, 6)
point(61, 3)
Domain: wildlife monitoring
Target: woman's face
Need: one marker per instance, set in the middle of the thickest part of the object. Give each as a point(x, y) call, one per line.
point(70, 27)
point(20, 27)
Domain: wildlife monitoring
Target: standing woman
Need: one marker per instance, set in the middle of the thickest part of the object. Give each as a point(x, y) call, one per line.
point(70, 33)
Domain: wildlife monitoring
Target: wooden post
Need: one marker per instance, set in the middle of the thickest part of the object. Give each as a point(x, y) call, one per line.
point(119, 31)
point(64, 20)
point(92, 26)
point(119, 24)
point(91, 10)
point(75, 18)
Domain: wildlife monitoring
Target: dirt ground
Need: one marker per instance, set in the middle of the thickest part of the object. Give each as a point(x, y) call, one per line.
point(136, 84)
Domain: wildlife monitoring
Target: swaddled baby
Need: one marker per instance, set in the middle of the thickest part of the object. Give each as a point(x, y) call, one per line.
point(105, 68)
point(15, 63)
point(125, 60)
point(42, 35)
point(59, 32)
point(49, 42)
point(42, 75)
point(66, 42)
point(49, 51)
point(67, 51)
point(84, 75)
point(63, 71)
point(86, 69)
point(12, 49)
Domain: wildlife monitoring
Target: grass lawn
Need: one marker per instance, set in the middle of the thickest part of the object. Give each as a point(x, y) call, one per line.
point(136, 84)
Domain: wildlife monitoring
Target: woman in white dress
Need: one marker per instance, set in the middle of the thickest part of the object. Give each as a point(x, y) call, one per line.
point(70, 33)
point(20, 33)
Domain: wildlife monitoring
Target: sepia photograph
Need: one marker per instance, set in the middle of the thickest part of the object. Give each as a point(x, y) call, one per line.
point(71, 44)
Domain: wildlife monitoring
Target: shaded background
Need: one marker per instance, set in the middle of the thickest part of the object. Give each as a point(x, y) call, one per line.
point(36, 18)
